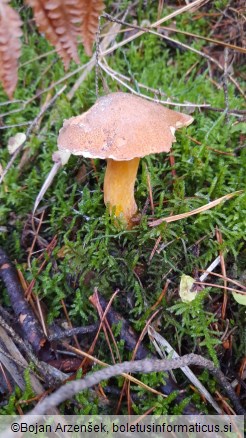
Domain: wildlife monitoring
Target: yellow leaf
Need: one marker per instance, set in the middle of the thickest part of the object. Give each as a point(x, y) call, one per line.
point(239, 298)
point(185, 287)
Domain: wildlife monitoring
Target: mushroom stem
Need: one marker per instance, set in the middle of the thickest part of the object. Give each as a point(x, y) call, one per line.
point(119, 184)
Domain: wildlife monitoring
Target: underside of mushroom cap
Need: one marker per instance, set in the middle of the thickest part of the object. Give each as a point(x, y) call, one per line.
point(121, 126)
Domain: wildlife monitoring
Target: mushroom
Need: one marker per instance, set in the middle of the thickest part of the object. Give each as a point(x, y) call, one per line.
point(120, 128)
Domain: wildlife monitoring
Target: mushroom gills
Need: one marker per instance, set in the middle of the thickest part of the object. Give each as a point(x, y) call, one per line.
point(119, 184)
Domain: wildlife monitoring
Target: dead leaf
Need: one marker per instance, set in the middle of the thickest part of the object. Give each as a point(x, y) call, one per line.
point(239, 298)
point(185, 289)
point(10, 32)
point(15, 142)
point(63, 21)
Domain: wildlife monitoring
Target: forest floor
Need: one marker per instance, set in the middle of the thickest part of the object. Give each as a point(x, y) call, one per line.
point(73, 261)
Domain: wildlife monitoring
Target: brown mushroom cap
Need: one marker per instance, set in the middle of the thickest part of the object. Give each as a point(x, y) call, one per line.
point(121, 126)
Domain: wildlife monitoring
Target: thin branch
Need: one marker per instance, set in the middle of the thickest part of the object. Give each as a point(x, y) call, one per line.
point(221, 276)
point(165, 37)
point(30, 129)
point(94, 360)
point(61, 334)
point(143, 366)
point(221, 287)
point(17, 125)
point(114, 75)
point(211, 267)
point(40, 93)
point(205, 207)
point(27, 320)
point(211, 40)
point(155, 24)
point(120, 78)
point(225, 83)
point(130, 338)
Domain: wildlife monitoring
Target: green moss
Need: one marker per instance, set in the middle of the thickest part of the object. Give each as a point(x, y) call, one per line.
point(91, 250)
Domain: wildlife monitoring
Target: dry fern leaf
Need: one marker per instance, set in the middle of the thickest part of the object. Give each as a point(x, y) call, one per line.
point(91, 10)
point(59, 21)
point(62, 21)
point(10, 31)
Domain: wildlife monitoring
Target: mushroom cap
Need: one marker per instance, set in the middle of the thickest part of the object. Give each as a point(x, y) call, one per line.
point(121, 126)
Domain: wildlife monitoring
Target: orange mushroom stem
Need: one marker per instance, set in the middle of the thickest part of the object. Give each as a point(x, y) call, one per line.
point(119, 184)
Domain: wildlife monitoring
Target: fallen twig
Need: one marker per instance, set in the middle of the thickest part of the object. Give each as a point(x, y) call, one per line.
point(223, 270)
point(122, 79)
point(131, 340)
point(72, 331)
point(26, 317)
point(202, 37)
point(48, 373)
point(208, 206)
point(115, 75)
point(211, 267)
point(163, 347)
point(155, 24)
point(222, 287)
point(171, 40)
point(93, 359)
point(208, 271)
point(141, 366)
point(29, 131)
point(19, 361)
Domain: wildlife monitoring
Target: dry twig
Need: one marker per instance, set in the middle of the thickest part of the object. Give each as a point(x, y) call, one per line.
point(131, 341)
point(30, 130)
point(178, 217)
point(27, 319)
point(142, 366)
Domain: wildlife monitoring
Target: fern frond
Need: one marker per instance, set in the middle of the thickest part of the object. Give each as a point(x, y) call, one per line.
point(10, 32)
point(62, 21)
point(59, 21)
point(91, 10)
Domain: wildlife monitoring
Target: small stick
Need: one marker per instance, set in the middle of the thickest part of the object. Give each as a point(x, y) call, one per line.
point(116, 76)
point(143, 366)
point(225, 84)
point(30, 250)
point(25, 346)
point(48, 181)
point(69, 323)
point(172, 164)
point(150, 192)
point(94, 299)
point(130, 337)
point(207, 107)
point(99, 362)
point(165, 37)
point(8, 384)
point(29, 131)
point(127, 383)
point(222, 287)
point(223, 270)
point(16, 125)
point(155, 248)
point(72, 331)
point(162, 295)
point(241, 371)
point(26, 317)
point(211, 267)
point(97, 57)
